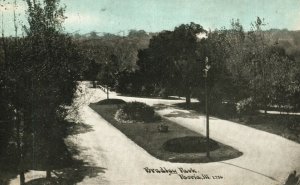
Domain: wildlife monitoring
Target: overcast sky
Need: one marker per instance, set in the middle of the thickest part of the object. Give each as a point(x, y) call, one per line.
point(156, 15)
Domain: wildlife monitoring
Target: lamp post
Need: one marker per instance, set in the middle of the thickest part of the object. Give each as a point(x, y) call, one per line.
point(207, 67)
point(201, 36)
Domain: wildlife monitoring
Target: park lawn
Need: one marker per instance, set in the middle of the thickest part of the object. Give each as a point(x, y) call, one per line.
point(273, 123)
point(279, 124)
point(147, 136)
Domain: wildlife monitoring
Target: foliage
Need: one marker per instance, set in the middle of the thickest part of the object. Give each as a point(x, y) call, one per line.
point(110, 48)
point(171, 61)
point(256, 64)
point(38, 80)
point(136, 111)
point(163, 128)
point(111, 102)
point(190, 144)
point(246, 106)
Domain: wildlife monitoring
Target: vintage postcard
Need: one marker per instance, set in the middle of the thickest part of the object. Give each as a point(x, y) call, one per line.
point(149, 92)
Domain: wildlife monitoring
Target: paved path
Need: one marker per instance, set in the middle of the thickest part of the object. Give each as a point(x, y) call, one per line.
point(267, 158)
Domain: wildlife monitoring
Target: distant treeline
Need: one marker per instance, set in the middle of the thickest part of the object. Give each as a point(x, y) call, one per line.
point(258, 66)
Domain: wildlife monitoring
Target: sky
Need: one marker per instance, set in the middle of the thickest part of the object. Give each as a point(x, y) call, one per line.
point(115, 16)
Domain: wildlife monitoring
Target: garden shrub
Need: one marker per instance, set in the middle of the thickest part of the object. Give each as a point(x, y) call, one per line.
point(136, 111)
point(111, 102)
point(224, 109)
point(246, 106)
point(189, 144)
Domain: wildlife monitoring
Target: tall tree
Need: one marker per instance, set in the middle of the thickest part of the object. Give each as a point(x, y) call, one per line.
point(55, 67)
point(172, 61)
point(40, 74)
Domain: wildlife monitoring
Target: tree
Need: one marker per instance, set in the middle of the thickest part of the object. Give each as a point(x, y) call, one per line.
point(124, 49)
point(108, 75)
point(92, 72)
point(55, 64)
point(265, 66)
point(171, 61)
point(40, 74)
point(260, 69)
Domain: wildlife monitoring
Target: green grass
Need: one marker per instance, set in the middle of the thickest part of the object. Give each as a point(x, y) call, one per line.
point(147, 136)
point(272, 123)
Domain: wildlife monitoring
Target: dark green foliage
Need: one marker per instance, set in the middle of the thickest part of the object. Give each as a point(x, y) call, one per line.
point(136, 111)
point(246, 106)
point(128, 83)
point(109, 55)
point(163, 128)
point(224, 109)
point(111, 102)
point(189, 144)
point(172, 62)
point(38, 78)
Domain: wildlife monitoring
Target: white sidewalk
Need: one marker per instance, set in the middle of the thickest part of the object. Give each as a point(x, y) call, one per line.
point(267, 158)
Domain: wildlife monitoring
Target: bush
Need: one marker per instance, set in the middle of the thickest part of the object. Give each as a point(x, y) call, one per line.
point(163, 128)
point(224, 109)
point(135, 111)
point(189, 144)
point(111, 102)
point(246, 106)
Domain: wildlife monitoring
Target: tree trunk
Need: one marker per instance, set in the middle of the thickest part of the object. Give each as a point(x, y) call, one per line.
point(107, 92)
point(265, 107)
point(48, 174)
point(22, 178)
point(20, 153)
point(94, 84)
point(188, 97)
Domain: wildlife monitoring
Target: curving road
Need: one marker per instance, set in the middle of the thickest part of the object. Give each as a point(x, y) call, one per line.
point(267, 158)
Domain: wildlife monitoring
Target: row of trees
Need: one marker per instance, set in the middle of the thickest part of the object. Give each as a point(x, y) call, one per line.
point(38, 76)
point(244, 65)
point(110, 57)
point(261, 69)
